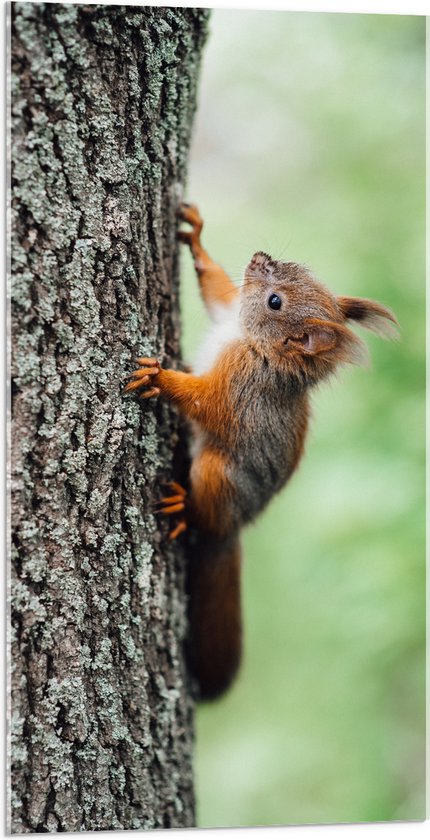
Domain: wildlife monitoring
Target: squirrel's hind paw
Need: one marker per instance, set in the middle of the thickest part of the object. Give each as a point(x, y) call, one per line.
point(169, 505)
point(180, 528)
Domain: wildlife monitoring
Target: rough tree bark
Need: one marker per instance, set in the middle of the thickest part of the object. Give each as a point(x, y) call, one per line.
point(102, 105)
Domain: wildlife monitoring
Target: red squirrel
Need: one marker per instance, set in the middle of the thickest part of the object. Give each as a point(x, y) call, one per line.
point(272, 340)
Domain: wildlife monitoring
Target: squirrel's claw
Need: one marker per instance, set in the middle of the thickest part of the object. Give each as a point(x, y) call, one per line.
point(144, 361)
point(153, 392)
point(180, 528)
point(189, 213)
point(170, 500)
point(142, 376)
point(169, 505)
point(177, 488)
point(143, 373)
point(168, 509)
point(175, 503)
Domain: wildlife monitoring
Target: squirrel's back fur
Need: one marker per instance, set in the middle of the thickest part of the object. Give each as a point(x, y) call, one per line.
point(272, 340)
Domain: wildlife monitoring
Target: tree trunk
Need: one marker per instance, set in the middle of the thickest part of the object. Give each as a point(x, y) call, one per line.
point(102, 105)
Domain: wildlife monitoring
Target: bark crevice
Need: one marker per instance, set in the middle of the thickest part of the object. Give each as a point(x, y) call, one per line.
point(102, 105)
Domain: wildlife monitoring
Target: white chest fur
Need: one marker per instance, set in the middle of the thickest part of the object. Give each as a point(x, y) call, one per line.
point(224, 329)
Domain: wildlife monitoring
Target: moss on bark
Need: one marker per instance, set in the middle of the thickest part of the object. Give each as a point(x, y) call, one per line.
point(102, 105)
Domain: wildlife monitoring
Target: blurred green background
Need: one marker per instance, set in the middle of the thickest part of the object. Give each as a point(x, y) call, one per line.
point(309, 144)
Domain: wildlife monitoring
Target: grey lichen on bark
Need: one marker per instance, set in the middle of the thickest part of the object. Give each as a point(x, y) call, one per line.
point(102, 105)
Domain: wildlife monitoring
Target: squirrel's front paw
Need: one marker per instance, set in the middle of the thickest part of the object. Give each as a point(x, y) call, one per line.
point(149, 368)
point(189, 213)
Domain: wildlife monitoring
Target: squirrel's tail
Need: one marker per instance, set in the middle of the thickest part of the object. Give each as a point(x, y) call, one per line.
point(215, 631)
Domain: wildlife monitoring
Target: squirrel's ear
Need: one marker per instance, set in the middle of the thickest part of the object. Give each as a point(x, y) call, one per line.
point(318, 338)
point(330, 341)
point(370, 314)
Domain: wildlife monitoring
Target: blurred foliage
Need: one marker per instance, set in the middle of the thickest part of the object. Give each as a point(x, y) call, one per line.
point(309, 144)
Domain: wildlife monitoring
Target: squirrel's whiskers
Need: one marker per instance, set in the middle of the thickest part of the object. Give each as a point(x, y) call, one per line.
point(274, 337)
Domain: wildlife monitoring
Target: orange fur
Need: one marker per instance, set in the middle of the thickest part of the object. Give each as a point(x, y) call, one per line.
point(249, 412)
point(215, 284)
point(206, 399)
point(211, 493)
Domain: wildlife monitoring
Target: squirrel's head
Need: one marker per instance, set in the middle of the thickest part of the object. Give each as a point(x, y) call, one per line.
point(286, 311)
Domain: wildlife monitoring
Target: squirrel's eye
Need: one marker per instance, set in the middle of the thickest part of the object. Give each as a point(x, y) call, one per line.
point(274, 302)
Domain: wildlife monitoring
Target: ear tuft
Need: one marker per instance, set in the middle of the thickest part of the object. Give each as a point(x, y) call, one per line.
point(370, 314)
